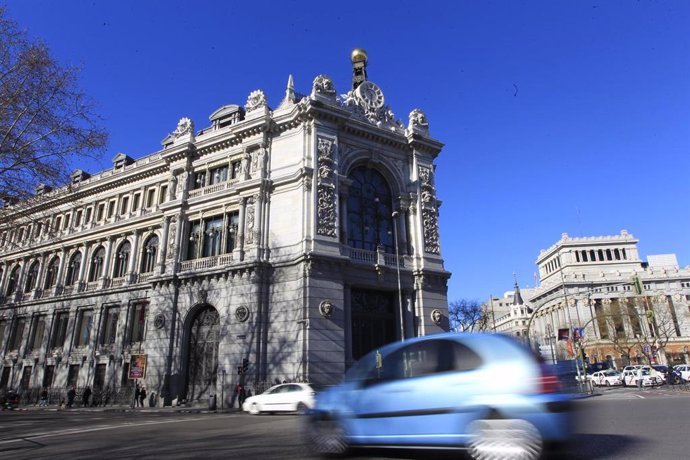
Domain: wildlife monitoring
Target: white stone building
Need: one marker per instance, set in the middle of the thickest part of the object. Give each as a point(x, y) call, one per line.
point(589, 283)
point(267, 241)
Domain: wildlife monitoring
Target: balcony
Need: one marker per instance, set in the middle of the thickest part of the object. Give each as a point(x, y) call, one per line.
point(366, 257)
point(211, 188)
point(206, 262)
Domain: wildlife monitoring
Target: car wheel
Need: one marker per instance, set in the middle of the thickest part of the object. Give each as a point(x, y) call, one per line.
point(504, 439)
point(327, 438)
point(301, 408)
point(608, 384)
point(254, 409)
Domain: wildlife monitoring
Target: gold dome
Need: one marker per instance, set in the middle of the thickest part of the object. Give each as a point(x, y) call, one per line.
point(358, 55)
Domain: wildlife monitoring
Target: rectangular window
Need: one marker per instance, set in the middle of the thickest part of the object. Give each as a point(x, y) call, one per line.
point(3, 328)
point(213, 235)
point(111, 209)
point(218, 175)
point(58, 223)
point(17, 334)
point(77, 218)
point(68, 217)
point(84, 329)
point(73, 375)
point(101, 210)
point(199, 179)
point(60, 330)
point(135, 202)
point(48, 376)
point(110, 326)
point(39, 331)
point(235, 168)
point(124, 207)
point(87, 219)
point(150, 197)
point(25, 382)
point(163, 194)
point(137, 322)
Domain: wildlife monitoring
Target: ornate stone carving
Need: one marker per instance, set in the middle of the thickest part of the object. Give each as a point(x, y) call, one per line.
point(323, 84)
point(242, 313)
point(326, 210)
point(436, 316)
point(418, 123)
point(172, 229)
point(201, 296)
point(256, 100)
point(326, 308)
point(430, 222)
point(159, 321)
point(368, 102)
point(250, 224)
point(184, 126)
point(326, 194)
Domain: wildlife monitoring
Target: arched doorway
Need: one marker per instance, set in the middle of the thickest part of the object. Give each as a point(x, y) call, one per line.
point(202, 357)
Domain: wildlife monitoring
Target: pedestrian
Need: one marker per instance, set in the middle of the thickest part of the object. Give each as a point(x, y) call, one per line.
point(238, 390)
point(85, 396)
point(243, 395)
point(142, 396)
point(639, 378)
point(71, 394)
point(44, 398)
point(137, 395)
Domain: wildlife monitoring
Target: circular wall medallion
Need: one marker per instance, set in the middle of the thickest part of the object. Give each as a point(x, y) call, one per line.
point(370, 95)
point(159, 321)
point(436, 316)
point(242, 313)
point(326, 308)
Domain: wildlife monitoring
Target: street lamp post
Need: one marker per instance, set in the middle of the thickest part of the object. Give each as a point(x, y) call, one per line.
point(395, 216)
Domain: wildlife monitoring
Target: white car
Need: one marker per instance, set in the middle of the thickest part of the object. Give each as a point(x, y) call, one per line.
point(607, 377)
point(684, 370)
point(648, 378)
point(287, 397)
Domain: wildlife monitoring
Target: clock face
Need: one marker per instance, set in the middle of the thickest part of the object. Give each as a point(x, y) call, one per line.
point(370, 95)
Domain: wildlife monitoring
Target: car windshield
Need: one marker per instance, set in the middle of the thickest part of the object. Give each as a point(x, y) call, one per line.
point(361, 368)
point(610, 373)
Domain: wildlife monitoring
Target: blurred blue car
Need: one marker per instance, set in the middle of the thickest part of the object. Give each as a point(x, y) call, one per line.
point(482, 392)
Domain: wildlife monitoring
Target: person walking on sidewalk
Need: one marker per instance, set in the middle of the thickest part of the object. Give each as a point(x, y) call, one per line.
point(44, 398)
point(85, 396)
point(137, 396)
point(142, 396)
point(71, 394)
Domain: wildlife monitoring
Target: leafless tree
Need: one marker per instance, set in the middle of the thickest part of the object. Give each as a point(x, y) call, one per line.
point(46, 121)
point(467, 316)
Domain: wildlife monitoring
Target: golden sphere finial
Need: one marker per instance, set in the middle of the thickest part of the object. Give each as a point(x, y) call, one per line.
point(358, 55)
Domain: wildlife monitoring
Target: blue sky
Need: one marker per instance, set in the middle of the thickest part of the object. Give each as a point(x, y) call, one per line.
point(557, 116)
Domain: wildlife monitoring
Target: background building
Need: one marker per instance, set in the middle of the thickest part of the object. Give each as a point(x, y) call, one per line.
point(274, 244)
point(598, 298)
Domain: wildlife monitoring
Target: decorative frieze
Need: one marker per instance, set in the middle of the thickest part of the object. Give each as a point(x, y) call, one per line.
point(429, 211)
point(327, 198)
point(256, 100)
point(249, 229)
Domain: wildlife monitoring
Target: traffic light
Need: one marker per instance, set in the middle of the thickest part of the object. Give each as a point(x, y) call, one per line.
point(245, 365)
point(239, 370)
point(637, 285)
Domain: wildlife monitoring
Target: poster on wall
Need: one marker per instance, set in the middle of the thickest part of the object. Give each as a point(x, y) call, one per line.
point(137, 367)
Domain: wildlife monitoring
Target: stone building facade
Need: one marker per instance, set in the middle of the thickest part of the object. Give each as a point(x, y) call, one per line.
point(274, 244)
point(625, 310)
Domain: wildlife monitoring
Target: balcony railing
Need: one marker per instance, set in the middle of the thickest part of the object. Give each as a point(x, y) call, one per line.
point(365, 256)
point(211, 188)
point(206, 262)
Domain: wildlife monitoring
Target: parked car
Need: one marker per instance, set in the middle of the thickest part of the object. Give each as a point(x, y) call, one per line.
point(9, 400)
point(608, 378)
point(287, 397)
point(683, 370)
point(649, 377)
point(483, 392)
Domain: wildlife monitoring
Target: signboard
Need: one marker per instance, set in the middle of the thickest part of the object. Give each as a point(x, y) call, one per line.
point(137, 367)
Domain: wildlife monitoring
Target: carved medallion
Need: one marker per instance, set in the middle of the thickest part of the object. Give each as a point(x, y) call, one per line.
point(159, 321)
point(326, 308)
point(242, 313)
point(436, 316)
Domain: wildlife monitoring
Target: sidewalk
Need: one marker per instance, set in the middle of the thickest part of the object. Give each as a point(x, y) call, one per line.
point(126, 408)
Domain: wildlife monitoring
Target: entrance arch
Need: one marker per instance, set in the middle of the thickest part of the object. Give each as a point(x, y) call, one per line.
point(203, 337)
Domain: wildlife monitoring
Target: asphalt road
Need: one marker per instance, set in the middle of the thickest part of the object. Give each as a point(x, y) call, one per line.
point(619, 424)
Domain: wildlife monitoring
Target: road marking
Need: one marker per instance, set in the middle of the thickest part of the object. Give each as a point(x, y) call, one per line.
point(639, 396)
point(95, 428)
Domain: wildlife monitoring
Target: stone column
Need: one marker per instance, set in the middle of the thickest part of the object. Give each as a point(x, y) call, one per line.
point(133, 257)
point(163, 249)
point(84, 263)
point(239, 246)
point(106, 269)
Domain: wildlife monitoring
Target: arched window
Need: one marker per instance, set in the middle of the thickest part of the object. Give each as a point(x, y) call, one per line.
point(73, 269)
point(12, 281)
point(96, 267)
point(52, 273)
point(148, 259)
point(369, 211)
point(121, 260)
point(31, 277)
